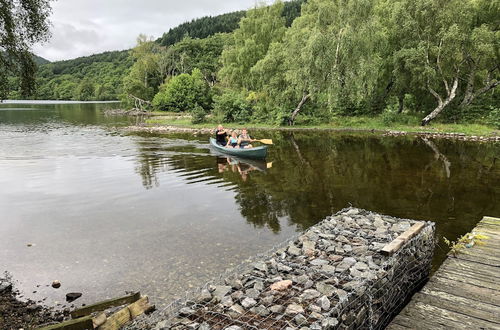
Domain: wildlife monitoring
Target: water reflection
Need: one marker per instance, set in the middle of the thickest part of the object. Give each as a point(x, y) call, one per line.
point(314, 175)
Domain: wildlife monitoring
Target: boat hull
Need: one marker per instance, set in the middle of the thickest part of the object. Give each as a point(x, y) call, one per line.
point(253, 153)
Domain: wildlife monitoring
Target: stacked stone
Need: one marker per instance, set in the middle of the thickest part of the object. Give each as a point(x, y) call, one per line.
point(331, 277)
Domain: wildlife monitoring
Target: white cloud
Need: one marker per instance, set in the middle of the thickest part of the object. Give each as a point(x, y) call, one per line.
point(85, 27)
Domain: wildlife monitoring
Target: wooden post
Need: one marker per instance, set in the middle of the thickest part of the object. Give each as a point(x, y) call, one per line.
point(105, 304)
point(83, 323)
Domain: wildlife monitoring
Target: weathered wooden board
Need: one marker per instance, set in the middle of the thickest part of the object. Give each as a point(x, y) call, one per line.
point(83, 323)
point(459, 304)
point(392, 247)
point(105, 304)
point(126, 314)
point(464, 293)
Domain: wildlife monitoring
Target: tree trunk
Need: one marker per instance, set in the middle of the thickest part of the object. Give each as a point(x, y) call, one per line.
point(295, 112)
point(441, 104)
point(489, 84)
point(401, 99)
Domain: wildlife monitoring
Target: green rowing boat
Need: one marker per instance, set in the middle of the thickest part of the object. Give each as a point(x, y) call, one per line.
point(254, 153)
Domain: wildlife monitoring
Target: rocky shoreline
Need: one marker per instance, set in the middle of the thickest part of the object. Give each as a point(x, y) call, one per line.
point(17, 314)
point(162, 129)
point(331, 277)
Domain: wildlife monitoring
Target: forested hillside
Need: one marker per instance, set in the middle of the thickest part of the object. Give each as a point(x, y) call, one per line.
point(308, 62)
point(404, 60)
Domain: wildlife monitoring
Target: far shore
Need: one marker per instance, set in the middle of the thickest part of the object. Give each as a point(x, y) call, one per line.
point(168, 123)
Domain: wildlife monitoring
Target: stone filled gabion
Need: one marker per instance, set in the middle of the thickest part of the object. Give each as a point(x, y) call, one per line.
point(331, 277)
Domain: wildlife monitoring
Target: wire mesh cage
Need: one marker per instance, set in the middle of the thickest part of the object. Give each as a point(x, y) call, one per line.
point(333, 276)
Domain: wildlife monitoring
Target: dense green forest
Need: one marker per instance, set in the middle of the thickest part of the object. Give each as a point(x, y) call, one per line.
point(306, 62)
point(405, 60)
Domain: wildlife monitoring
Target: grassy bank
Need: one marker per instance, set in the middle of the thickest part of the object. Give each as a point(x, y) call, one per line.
point(342, 123)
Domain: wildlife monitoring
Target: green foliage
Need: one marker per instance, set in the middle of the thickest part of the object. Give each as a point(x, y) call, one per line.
point(184, 92)
point(198, 114)
point(232, 107)
point(261, 27)
point(60, 80)
point(189, 53)
point(207, 26)
point(144, 77)
point(22, 24)
point(494, 117)
point(463, 242)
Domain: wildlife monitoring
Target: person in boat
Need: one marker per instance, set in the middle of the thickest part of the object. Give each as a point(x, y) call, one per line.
point(221, 135)
point(233, 141)
point(244, 140)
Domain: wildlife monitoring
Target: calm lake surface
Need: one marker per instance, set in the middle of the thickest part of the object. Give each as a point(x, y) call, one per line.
point(108, 212)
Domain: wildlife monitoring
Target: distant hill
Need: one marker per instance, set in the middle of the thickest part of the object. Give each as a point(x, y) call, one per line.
point(203, 27)
point(104, 72)
point(40, 60)
point(70, 79)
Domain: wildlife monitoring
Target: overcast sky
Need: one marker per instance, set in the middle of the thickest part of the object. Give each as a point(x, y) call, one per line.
point(85, 27)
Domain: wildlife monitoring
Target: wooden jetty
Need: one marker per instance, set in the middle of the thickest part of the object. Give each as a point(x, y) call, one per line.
point(464, 293)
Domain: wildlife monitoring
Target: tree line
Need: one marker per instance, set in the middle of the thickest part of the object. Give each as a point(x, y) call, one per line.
point(420, 58)
point(306, 62)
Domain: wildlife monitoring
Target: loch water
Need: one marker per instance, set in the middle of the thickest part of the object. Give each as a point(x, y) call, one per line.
point(107, 211)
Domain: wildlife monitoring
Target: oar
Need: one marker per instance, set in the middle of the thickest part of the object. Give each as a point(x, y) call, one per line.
point(265, 141)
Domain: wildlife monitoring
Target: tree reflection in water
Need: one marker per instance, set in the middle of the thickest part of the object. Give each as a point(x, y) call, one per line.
point(316, 174)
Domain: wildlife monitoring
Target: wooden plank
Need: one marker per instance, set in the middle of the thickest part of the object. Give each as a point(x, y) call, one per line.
point(440, 317)
point(412, 232)
point(465, 290)
point(491, 219)
point(139, 307)
point(99, 319)
point(392, 247)
point(83, 323)
point(126, 314)
point(117, 320)
point(100, 306)
point(472, 267)
point(470, 277)
point(477, 259)
point(459, 304)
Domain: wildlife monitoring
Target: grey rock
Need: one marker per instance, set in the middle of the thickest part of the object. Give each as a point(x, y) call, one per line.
point(308, 245)
point(308, 284)
point(293, 250)
point(267, 300)
point(319, 262)
point(347, 248)
point(233, 327)
point(260, 310)
point(204, 326)
point(314, 308)
point(259, 285)
point(185, 311)
point(248, 302)
point(329, 323)
point(193, 326)
point(227, 301)
point(237, 295)
point(325, 289)
point(293, 309)
point(277, 309)
point(328, 269)
point(352, 211)
point(360, 266)
point(299, 319)
point(324, 303)
point(237, 309)
point(315, 316)
point(284, 268)
point(205, 296)
point(310, 294)
point(260, 265)
point(221, 290)
point(252, 293)
point(341, 294)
